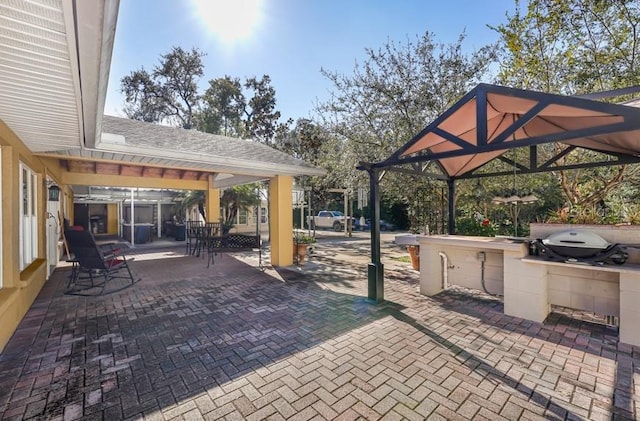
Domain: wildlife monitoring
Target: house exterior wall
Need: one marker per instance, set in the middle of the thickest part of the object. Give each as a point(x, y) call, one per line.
point(20, 287)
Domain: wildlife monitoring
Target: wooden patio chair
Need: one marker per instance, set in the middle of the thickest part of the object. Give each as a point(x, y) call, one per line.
point(95, 266)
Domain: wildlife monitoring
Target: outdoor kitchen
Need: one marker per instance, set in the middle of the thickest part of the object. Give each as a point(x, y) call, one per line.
point(590, 268)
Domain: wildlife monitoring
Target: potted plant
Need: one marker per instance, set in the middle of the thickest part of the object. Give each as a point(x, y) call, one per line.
point(301, 242)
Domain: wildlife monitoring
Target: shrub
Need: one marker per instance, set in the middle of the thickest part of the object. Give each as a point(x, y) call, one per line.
point(473, 226)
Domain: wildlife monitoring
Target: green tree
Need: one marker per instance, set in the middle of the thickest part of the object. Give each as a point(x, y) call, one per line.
point(571, 46)
point(223, 107)
point(169, 93)
point(187, 200)
point(574, 47)
point(391, 96)
point(142, 96)
point(304, 141)
point(235, 198)
point(261, 117)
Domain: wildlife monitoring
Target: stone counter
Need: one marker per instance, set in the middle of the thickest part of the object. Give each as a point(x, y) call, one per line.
point(531, 285)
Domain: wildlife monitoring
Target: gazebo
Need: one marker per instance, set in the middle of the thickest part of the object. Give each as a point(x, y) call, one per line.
point(491, 120)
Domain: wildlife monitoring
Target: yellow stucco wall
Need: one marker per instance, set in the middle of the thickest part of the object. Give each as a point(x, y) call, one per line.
point(281, 220)
point(19, 288)
point(112, 218)
point(213, 201)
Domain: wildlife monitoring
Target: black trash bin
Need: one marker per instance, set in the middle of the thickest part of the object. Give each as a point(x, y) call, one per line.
point(181, 232)
point(143, 233)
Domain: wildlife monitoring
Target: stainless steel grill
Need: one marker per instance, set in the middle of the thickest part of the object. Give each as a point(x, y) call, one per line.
point(580, 246)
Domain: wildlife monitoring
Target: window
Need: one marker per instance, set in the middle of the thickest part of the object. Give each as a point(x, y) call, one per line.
point(263, 215)
point(242, 217)
point(28, 216)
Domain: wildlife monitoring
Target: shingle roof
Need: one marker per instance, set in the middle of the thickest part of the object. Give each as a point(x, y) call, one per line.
point(151, 136)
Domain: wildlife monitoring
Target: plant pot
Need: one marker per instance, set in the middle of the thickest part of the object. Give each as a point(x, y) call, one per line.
point(414, 254)
point(301, 251)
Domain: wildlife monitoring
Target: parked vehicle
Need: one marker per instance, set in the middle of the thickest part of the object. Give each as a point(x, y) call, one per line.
point(328, 219)
point(384, 225)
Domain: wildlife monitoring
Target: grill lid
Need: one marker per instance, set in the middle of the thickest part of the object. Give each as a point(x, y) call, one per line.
point(576, 239)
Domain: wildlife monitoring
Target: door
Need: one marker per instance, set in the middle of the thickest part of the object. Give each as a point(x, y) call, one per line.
point(53, 234)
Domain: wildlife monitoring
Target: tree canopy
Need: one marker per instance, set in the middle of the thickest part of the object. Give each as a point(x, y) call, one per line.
point(574, 47)
point(397, 90)
point(171, 94)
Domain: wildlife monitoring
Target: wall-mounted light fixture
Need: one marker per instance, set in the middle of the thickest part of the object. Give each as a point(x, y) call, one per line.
point(54, 193)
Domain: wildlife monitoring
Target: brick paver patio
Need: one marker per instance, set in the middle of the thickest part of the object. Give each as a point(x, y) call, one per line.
point(232, 342)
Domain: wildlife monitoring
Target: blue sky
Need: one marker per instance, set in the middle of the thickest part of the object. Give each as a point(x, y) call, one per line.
point(291, 40)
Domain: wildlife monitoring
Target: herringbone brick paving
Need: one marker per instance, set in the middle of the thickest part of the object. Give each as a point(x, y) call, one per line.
point(232, 342)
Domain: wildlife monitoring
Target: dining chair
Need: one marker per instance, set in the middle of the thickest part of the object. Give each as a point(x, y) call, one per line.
point(193, 233)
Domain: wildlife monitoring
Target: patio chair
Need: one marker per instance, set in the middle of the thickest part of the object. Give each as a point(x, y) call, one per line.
point(95, 266)
point(209, 231)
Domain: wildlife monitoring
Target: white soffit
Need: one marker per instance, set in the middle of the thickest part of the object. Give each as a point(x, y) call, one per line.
point(41, 96)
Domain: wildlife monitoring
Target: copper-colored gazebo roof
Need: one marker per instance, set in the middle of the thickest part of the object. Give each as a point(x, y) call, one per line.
point(491, 120)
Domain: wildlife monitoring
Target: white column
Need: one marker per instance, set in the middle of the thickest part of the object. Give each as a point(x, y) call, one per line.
point(526, 294)
point(159, 204)
point(133, 225)
point(120, 219)
point(432, 269)
point(346, 207)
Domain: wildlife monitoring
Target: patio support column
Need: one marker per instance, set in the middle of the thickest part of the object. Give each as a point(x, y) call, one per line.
point(120, 218)
point(375, 272)
point(159, 218)
point(212, 201)
point(281, 220)
point(132, 219)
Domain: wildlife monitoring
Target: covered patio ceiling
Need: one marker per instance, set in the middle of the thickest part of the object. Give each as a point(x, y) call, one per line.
point(491, 120)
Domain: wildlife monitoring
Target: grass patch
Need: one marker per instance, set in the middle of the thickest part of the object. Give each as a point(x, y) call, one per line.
point(405, 259)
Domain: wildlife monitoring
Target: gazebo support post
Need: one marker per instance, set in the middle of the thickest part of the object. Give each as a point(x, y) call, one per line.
point(451, 184)
point(375, 269)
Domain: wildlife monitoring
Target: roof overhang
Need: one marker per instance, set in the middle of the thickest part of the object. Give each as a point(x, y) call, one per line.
point(54, 67)
point(490, 120)
point(114, 159)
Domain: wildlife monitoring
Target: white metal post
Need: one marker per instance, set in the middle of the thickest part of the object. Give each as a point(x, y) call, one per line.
point(346, 207)
point(131, 222)
point(159, 204)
